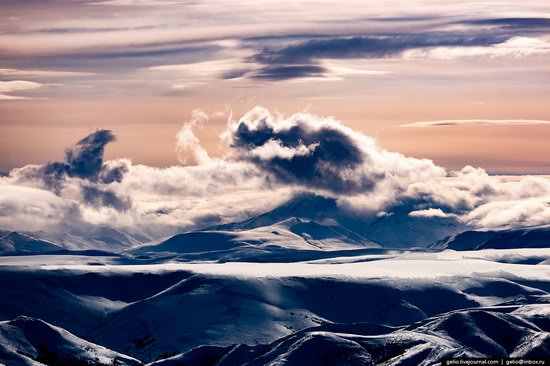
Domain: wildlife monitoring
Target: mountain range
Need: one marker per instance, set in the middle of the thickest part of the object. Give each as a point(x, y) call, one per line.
point(304, 227)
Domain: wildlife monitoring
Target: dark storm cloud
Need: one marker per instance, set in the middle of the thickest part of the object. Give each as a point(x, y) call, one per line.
point(84, 160)
point(513, 23)
point(69, 30)
point(234, 74)
point(320, 158)
point(365, 47)
point(302, 59)
point(104, 198)
point(113, 172)
point(288, 72)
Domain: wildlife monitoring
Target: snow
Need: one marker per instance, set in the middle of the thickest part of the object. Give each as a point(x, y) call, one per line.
point(290, 234)
point(418, 265)
point(30, 341)
point(12, 241)
point(101, 238)
point(156, 310)
point(462, 333)
point(397, 229)
point(532, 237)
point(302, 284)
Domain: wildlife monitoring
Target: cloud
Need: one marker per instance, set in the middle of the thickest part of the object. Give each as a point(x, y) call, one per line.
point(339, 69)
point(113, 171)
point(365, 47)
point(225, 69)
point(32, 209)
point(288, 72)
point(85, 158)
point(188, 145)
point(135, 2)
point(9, 87)
point(488, 202)
point(299, 152)
point(318, 153)
point(83, 167)
point(41, 73)
point(512, 23)
point(272, 157)
point(209, 41)
point(511, 213)
point(104, 198)
point(476, 122)
point(514, 47)
point(322, 70)
point(307, 59)
point(430, 212)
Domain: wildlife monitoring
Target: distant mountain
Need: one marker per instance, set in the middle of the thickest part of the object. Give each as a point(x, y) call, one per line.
point(13, 241)
point(396, 229)
point(306, 206)
point(102, 238)
point(307, 222)
point(288, 234)
point(31, 341)
point(400, 230)
point(535, 237)
point(99, 238)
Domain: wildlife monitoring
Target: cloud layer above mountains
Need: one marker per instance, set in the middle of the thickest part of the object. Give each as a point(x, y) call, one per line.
point(270, 158)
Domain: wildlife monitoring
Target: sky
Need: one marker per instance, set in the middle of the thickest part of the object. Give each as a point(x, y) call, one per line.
point(460, 83)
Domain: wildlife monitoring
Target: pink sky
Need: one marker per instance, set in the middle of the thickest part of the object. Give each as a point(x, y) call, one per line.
point(140, 67)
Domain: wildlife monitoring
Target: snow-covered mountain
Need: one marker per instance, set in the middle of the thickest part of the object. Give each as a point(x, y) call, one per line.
point(29, 341)
point(307, 222)
point(398, 229)
point(222, 310)
point(284, 311)
point(100, 238)
point(503, 332)
point(295, 285)
point(534, 237)
point(395, 229)
point(13, 241)
point(304, 206)
point(292, 235)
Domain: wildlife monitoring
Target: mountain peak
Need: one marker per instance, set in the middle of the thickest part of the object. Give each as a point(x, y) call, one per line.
point(305, 205)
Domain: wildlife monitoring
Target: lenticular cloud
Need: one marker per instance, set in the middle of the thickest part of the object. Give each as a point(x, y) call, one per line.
point(270, 159)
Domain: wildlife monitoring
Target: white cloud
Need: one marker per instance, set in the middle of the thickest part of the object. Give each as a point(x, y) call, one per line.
point(215, 190)
point(338, 68)
point(202, 70)
point(135, 2)
point(514, 47)
point(511, 213)
point(42, 73)
point(188, 145)
point(476, 122)
point(8, 87)
point(32, 209)
point(430, 212)
point(275, 149)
